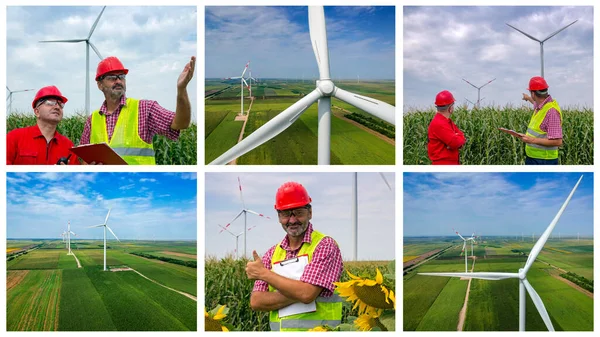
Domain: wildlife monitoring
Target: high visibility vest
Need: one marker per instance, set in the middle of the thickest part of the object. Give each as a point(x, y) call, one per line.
point(125, 140)
point(329, 309)
point(533, 130)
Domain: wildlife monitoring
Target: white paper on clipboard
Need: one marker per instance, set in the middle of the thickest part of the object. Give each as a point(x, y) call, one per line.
point(293, 269)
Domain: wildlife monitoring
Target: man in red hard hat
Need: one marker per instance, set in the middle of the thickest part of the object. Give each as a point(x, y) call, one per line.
point(41, 144)
point(310, 261)
point(544, 132)
point(444, 137)
point(128, 125)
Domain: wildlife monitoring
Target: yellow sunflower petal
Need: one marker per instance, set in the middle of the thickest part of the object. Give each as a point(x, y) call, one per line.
point(220, 315)
point(224, 328)
point(379, 277)
point(205, 313)
point(352, 276)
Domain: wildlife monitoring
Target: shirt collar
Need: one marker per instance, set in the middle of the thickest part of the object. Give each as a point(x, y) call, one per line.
point(548, 99)
point(285, 243)
point(36, 132)
point(104, 109)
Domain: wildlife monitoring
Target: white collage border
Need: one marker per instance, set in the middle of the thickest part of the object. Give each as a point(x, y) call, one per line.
point(201, 169)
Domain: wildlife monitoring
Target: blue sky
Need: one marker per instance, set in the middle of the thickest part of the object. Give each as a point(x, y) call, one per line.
point(442, 45)
point(496, 203)
point(331, 195)
point(154, 43)
point(276, 41)
point(159, 206)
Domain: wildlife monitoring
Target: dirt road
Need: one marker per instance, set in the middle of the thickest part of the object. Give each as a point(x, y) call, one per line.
point(463, 312)
point(234, 162)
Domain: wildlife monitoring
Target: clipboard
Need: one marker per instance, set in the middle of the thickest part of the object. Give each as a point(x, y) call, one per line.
point(511, 132)
point(293, 269)
point(100, 153)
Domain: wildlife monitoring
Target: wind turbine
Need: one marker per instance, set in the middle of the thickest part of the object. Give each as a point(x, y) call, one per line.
point(242, 82)
point(237, 236)
point(542, 41)
point(463, 248)
point(355, 211)
point(472, 239)
point(69, 232)
point(479, 90)
point(105, 228)
point(244, 211)
point(524, 285)
point(9, 97)
point(325, 89)
point(88, 44)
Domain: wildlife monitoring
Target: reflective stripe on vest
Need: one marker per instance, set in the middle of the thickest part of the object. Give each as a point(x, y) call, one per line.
point(125, 139)
point(329, 309)
point(533, 130)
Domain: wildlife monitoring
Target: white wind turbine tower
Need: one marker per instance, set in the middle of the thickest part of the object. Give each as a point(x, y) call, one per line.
point(323, 92)
point(245, 212)
point(9, 97)
point(105, 228)
point(472, 239)
point(479, 91)
point(355, 212)
point(524, 285)
point(69, 232)
point(237, 236)
point(542, 41)
point(463, 249)
point(250, 79)
point(88, 44)
point(242, 82)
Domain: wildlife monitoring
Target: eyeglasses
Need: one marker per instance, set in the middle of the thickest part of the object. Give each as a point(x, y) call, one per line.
point(50, 102)
point(113, 78)
point(298, 212)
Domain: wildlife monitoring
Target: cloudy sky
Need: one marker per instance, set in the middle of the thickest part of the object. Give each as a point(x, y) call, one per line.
point(154, 43)
point(276, 41)
point(331, 194)
point(442, 45)
point(159, 206)
point(496, 203)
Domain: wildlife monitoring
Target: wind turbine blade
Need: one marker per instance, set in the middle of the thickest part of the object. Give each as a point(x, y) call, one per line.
point(249, 229)
point(537, 301)
point(107, 214)
point(241, 194)
point(522, 32)
point(385, 180)
point(245, 69)
point(100, 225)
point(481, 275)
point(237, 216)
point(225, 229)
point(558, 31)
point(22, 90)
point(464, 245)
point(67, 41)
point(372, 106)
point(485, 85)
point(259, 214)
point(539, 245)
point(470, 83)
point(96, 23)
point(113, 233)
point(271, 129)
point(95, 50)
point(233, 78)
point(246, 83)
point(455, 231)
point(318, 37)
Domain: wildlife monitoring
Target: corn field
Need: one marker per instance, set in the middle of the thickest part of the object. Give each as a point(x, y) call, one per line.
point(181, 152)
point(488, 146)
point(226, 284)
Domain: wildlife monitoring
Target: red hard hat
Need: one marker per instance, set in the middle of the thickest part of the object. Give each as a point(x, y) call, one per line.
point(291, 195)
point(537, 83)
point(444, 98)
point(47, 92)
point(108, 65)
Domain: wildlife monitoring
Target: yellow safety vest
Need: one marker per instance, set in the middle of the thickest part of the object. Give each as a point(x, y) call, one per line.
point(329, 309)
point(125, 140)
point(533, 130)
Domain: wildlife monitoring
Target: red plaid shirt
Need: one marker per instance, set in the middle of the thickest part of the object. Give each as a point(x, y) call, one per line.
point(325, 267)
point(551, 123)
point(153, 120)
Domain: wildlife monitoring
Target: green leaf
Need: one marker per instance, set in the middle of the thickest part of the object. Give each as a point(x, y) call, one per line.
point(351, 319)
point(346, 327)
point(388, 319)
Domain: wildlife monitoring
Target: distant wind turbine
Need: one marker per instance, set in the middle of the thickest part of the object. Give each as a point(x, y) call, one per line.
point(237, 236)
point(9, 97)
point(88, 44)
point(105, 228)
point(69, 232)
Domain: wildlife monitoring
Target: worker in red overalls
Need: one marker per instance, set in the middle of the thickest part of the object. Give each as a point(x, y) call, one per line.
point(444, 137)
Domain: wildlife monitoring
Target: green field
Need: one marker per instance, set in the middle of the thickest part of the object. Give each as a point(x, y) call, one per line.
point(46, 290)
point(433, 303)
point(488, 146)
point(298, 143)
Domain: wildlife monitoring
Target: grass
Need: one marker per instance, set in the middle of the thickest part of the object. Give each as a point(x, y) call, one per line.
point(181, 152)
point(36, 259)
point(488, 146)
point(443, 313)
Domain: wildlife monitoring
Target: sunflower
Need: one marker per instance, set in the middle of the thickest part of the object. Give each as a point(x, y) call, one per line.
point(368, 320)
point(320, 328)
point(366, 293)
point(211, 321)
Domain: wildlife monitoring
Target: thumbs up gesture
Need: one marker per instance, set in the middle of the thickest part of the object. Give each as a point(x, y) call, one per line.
point(255, 269)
